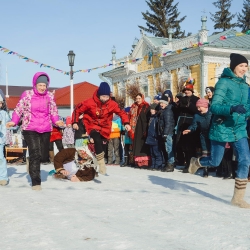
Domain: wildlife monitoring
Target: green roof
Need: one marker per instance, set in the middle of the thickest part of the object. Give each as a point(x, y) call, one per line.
point(239, 42)
point(158, 41)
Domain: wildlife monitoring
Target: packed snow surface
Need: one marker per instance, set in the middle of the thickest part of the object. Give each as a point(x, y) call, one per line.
point(127, 209)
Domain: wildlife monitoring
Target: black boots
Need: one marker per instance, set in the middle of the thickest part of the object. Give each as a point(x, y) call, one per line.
point(170, 167)
point(205, 172)
point(125, 162)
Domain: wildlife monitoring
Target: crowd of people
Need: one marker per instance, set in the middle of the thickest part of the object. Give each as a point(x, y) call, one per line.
point(181, 130)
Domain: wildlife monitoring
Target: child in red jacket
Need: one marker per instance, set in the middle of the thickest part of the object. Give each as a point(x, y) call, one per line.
point(55, 136)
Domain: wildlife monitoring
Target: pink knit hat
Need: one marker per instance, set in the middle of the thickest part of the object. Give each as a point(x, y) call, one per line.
point(202, 103)
point(68, 120)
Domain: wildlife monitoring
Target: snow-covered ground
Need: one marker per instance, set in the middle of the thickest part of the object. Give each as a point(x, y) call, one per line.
point(128, 209)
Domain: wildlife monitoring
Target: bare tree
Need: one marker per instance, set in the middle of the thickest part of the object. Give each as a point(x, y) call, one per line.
point(133, 89)
point(120, 100)
point(161, 85)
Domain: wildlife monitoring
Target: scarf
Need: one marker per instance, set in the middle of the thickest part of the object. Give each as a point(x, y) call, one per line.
point(134, 113)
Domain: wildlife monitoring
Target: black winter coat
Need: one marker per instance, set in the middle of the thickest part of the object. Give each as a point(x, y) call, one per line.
point(140, 148)
point(187, 109)
point(188, 105)
point(166, 121)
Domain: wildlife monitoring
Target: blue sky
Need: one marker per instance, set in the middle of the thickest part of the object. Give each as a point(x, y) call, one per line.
point(46, 30)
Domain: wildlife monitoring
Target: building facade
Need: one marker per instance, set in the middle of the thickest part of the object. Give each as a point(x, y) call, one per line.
point(166, 63)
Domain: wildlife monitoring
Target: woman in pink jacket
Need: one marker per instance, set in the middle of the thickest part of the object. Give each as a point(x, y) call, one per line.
point(38, 111)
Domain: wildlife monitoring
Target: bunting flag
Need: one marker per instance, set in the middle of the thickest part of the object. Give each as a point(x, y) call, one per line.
point(121, 63)
point(234, 35)
point(27, 59)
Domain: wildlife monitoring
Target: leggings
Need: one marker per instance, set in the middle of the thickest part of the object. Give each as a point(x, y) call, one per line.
point(35, 142)
point(100, 142)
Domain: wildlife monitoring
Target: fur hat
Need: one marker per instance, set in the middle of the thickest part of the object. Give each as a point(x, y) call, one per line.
point(104, 89)
point(202, 103)
point(237, 59)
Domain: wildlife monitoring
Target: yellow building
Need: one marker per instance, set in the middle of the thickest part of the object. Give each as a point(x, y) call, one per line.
point(166, 63)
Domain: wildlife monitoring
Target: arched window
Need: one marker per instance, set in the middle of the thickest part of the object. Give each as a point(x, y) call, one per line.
point(145, 90)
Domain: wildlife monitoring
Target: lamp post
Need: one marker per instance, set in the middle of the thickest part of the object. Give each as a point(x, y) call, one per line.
point(71, 57)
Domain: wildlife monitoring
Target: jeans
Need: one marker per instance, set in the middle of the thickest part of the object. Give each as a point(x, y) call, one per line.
point(169, 148)
point(217, 151)
point(3, 165)
point(156, 156)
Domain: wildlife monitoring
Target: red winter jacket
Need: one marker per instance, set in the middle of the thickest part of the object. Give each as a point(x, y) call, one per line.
point(55, 134)
point(97, 115)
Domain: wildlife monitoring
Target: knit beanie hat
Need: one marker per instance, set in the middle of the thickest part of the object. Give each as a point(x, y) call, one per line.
point(157, 97)
point(169, 94)
point(202, 103)
point(164, 99)
point(42, 79)
point(209, 89)
point(103, 89)
point(127, 109)
point(153, 106)
point(68, 120)
point(237, 59)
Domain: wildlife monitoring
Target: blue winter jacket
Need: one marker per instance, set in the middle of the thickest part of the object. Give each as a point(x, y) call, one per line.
point(153, 136)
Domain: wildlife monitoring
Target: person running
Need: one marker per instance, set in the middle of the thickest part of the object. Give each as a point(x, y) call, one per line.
point(38, 111)
point(98, 114)
point(230, 108)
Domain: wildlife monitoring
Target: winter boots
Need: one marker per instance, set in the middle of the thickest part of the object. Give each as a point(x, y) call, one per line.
point(194, 165)
point(51, 156)
point(125, 163)
point(3, 182)
point(101, 163)
point(37, 188)
point(170, 167)
point(205, 172)
point(239, 192)
point(102, 166)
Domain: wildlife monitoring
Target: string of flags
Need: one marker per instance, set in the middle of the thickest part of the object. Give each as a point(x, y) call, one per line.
point(27, 59)
point(234, 35)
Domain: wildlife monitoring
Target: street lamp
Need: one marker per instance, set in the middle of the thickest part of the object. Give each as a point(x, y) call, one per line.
point(71, 57)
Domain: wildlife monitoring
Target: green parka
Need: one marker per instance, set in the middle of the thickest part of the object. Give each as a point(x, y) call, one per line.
point(230, 91)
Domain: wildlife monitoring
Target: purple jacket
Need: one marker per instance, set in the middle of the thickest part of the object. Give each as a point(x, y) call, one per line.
point(38, 111)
